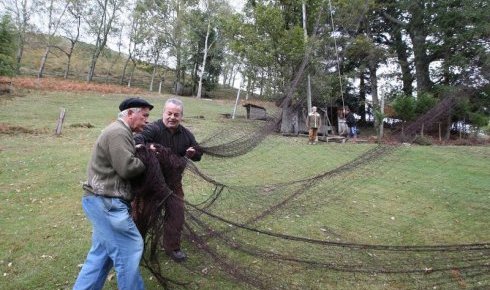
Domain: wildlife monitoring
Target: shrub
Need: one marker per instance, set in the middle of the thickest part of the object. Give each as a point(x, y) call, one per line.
point(422, 140)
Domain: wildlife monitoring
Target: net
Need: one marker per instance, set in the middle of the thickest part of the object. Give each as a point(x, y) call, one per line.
point(329, 221)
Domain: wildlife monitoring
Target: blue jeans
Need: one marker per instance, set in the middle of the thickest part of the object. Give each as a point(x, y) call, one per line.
point(353, 132)
point(115, 242)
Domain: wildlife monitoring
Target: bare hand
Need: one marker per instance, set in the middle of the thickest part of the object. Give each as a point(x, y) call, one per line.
point(190, 152)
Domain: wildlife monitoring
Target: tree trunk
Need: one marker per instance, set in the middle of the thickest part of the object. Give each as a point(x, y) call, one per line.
point(233, 78)
point(131, 75)
point(287, 125)
point(153, 77)
point(67, 68)
point(401, 52)
point(378, 124)
point(43, 62)
point(73, 42)
point(124, 69)
point(69, 55)
point(22, 17)
point(91, 69)
point(448, 127)
point(418, 35)
point(20, 52)
point(362, 97)
point(206, 48)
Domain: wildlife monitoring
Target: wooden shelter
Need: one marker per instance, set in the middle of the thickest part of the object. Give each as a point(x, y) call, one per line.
point(255, 112)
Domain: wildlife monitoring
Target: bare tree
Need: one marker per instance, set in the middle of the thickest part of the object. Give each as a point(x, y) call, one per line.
point(118, 56)
point(131, 47)
point(158, 47)
point(71, 31)
point(55, 10)
point(206, 49)
point(101, 18)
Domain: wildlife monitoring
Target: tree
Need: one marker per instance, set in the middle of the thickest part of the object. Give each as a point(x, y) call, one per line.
point(7, 47)
point(55, 11)
point(153, 32)
point(404, 107)
point(71, 31)
point(408, 108)
point(101, 17)
point(207, 42)
point(140, 27)
point(267, 38)
point(205, 49)
point(179, 45)
point(451, 34)
point(22, 11)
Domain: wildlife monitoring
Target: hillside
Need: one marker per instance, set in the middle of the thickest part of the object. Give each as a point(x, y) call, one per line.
point(109, 69)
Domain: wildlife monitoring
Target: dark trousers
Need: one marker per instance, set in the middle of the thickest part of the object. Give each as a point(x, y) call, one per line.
point(173, 219)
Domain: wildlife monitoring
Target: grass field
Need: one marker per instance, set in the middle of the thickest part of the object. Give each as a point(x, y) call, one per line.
point(415, 195)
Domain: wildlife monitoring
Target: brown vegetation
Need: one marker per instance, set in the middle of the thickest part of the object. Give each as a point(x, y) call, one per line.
point(56, 84)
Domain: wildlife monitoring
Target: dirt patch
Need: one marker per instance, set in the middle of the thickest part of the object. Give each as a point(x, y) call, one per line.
point(14, 130)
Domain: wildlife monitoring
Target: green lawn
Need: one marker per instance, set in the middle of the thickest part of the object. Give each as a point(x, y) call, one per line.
point(409, 196)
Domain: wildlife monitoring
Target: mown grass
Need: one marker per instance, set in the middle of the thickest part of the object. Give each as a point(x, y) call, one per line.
point(414, 196)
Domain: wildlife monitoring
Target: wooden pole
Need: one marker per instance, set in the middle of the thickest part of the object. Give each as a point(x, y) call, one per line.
point(440, 137)
point(59, 124)
point(236, 102)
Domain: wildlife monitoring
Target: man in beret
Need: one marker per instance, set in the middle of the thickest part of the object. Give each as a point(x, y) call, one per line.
point(116, 242)
point(169, 133)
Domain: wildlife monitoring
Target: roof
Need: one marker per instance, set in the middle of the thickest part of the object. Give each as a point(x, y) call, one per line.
point(253, 105)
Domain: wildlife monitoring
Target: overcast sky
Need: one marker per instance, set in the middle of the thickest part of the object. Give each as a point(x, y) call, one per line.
point(237, 4)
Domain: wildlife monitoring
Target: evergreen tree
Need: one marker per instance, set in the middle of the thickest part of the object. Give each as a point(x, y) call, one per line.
point(7, 47)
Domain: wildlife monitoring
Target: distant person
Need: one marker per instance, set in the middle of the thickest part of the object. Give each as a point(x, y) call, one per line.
point(168, 132)
point(350, 120)
point(313, 123)
point(116, 242)
point(294, 124)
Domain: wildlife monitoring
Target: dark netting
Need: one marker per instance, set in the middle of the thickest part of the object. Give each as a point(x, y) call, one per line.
point(238, 140)
point(257, 244)
point(438, 114)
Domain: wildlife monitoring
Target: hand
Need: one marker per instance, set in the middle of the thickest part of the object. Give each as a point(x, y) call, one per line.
point(190, 152)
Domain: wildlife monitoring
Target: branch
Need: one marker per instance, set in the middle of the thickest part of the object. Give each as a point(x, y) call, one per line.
point(394, 20)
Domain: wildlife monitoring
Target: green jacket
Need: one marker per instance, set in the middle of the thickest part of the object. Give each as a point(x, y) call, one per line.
point(113, 163)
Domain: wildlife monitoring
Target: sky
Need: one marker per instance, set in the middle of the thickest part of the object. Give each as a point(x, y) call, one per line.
point(237, 4)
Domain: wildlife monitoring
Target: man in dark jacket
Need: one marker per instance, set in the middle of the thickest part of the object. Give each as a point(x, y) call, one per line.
point(350, 120)
point(170, 133)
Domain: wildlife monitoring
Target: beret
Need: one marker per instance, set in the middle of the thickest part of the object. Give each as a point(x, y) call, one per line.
point(134, 103)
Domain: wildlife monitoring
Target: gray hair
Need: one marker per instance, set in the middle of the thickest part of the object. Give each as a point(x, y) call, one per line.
point(124, 113)
point(176, 102)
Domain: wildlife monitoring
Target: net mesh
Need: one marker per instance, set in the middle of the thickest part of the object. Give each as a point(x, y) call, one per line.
point(309, 224)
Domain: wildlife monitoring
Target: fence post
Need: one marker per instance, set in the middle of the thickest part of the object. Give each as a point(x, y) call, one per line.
point(59, 124)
